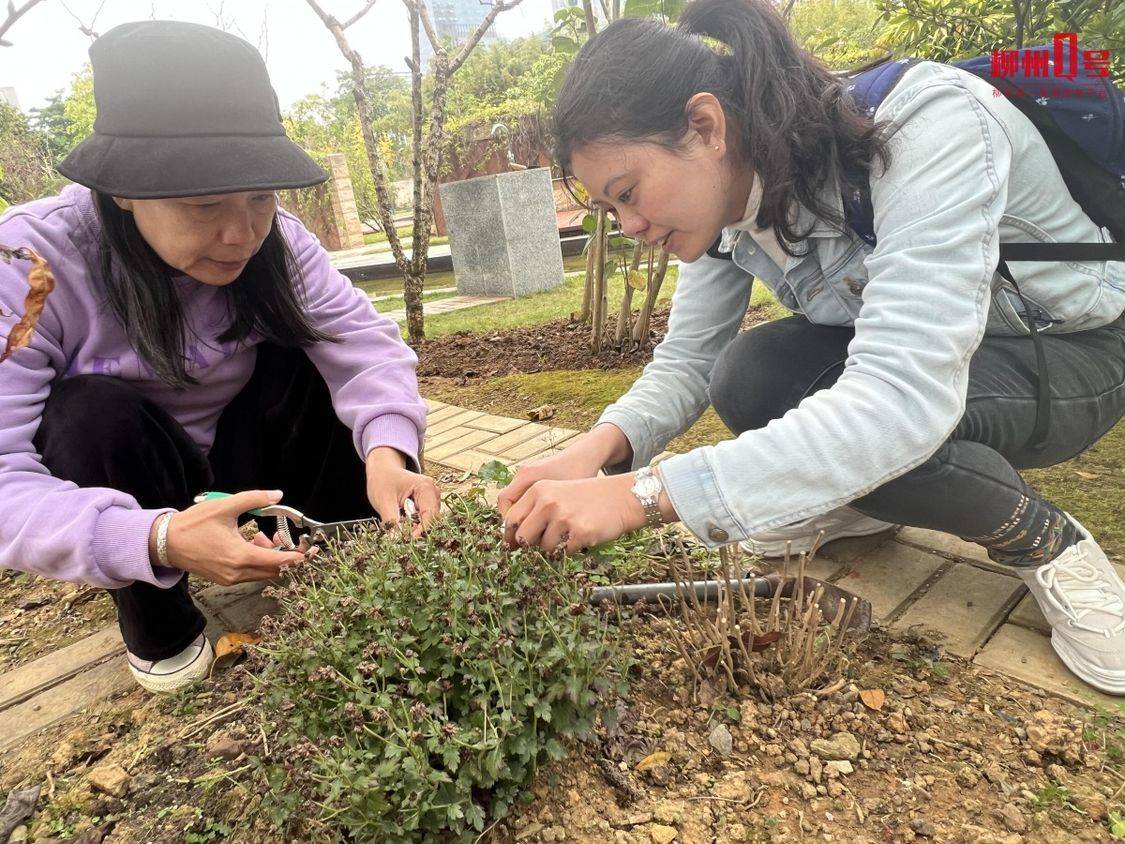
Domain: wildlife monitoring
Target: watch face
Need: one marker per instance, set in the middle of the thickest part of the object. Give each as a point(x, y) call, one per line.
point(647, 487)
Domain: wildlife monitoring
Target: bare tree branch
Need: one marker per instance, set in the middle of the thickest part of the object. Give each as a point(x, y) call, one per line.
point(475, 38)
point(14, 14)
point(423, 12)
point(591, 22)
point(86, 29)
point(358, 15)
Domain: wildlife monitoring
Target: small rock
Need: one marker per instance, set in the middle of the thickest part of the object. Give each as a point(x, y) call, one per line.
point(835, 789)
point(736, 786)
point(842, 745)
point(799, 748)
point(33, 602)
point(922, 827)
point(662, 834)
point(1056, 772)
point(528, 831)
point(1050, 734)
point(554, 833)
point(19, 835)
point(897, 724)
point(1032, 758)
point(838, 767)
point(1013, 819)
point(224, 746)
point(721, 739)
point(967, 776)
point(110, 779)
point(808, 790)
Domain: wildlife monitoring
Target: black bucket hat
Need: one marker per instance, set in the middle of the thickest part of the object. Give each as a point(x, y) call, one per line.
point(184, 110)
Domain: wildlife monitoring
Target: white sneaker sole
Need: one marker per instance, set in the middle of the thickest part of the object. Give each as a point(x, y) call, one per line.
point(163, 684)
point(804, 544)
point(1111, 683)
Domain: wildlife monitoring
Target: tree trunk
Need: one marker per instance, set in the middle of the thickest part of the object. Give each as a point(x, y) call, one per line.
point(625, 316)
point(641, 329)
point(597, 331)
point(588, 287)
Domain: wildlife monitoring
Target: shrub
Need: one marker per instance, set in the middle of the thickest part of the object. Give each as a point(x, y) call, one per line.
point(417, 685)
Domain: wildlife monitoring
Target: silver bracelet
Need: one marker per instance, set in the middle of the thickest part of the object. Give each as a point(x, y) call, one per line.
point(162, 539)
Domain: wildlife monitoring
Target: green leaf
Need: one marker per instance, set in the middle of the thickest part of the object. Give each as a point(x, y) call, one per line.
point(495, 472)
point(590, 223)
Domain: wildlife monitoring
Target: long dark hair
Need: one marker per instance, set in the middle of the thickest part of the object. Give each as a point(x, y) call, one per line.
point(792, 118)
point(140, 291)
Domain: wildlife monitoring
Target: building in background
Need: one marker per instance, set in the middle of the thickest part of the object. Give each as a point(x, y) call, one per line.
point(455, 21)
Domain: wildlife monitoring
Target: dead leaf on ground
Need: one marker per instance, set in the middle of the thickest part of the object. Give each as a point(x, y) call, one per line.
point(231, 646)
point(542, 413)
point(654, 760)
point(1089, 476)
point(873, 699)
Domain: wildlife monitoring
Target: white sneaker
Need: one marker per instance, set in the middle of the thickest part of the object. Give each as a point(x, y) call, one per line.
point(801, 536)
point(175, 672)
point(1083, 599)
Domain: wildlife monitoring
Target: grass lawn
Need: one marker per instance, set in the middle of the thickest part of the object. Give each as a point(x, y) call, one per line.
point(404, 232)
point(398, 303)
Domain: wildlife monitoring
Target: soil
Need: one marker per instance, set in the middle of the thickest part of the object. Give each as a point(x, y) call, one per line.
point(38, 616)
point(561, 344)
point(952, 754)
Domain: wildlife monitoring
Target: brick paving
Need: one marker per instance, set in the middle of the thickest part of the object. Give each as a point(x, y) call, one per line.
point(913, 578)
point(444, 306)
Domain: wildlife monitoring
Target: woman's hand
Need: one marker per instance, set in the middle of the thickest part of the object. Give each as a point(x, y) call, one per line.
point(574, 514)
point(602, 446)
point(390, 484)
point(204, 540)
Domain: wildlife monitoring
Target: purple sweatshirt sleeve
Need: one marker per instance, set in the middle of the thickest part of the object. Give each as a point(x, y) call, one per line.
point(371, 371)
point(50, 526)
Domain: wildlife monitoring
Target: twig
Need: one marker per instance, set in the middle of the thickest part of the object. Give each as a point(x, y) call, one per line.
point(618, 781)
point(14, 14)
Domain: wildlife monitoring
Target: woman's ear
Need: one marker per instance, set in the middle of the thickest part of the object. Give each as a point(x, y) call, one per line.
point(123, 204)
point(708, 121)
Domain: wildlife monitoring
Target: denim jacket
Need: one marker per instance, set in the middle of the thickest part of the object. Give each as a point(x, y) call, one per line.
point(968, 171)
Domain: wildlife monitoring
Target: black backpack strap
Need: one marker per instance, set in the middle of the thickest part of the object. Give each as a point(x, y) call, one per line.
point(714, 251)
point(1062, 251)
point(1042, 427)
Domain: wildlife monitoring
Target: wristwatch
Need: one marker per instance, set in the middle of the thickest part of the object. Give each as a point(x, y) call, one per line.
point(647, 487)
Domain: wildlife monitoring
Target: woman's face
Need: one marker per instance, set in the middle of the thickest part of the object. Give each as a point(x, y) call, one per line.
point(679, 199)
point(210, 238)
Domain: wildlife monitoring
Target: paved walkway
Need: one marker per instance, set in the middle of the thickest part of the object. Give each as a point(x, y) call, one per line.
point(444, 306)
point(915, 577)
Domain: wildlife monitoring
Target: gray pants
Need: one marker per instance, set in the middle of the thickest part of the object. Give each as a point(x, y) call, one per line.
point(969, 487)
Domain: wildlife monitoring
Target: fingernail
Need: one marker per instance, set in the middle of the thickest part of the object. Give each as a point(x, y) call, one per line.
point(275, 495)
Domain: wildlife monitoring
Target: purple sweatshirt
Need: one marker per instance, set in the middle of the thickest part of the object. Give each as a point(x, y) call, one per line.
point(100, 536)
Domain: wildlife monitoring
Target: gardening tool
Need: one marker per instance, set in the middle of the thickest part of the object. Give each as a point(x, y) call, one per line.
point(284, 515)
point(832, 600)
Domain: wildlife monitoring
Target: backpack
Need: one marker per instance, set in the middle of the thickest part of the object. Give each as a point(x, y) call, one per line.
point(1081, 116)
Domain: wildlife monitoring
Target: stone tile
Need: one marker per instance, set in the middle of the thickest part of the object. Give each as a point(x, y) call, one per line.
point(497, 424)
point(522, 434)
point(1027, 614)
point(448, 436)
point(243, 615)
point(540, 443)
point(821, 568)
point(67, 698)
point(467, 461)
point(856, 548)
point(948, 545)
point(887, 575)
point(52, 669)
point(463, 443)
point(1027, 656)
point(216, 598)
point(443, 413)
point(454, 421)
point(965, 606)
point(432, 406)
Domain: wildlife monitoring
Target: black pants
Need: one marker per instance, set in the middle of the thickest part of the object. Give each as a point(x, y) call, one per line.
point(279, 432)
point(970, 486)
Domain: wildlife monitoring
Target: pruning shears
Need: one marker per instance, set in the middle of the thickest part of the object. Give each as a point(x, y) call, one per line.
point(285, 514)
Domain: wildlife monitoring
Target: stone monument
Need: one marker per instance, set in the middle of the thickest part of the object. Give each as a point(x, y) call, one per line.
point(503, 233)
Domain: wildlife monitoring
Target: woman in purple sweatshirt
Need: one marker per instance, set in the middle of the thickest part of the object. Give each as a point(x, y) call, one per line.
point(197, 338)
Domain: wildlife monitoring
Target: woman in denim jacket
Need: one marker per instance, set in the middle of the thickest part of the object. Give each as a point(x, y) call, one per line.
point(903, 390)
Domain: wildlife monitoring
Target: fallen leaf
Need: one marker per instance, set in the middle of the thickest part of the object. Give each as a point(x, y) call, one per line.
point(541, 413)
point(760, 643)
point(654, 760)
point(873, 699)
point(637, 280)
point(40, 283)
point(1089, 476)
point(232, 645)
